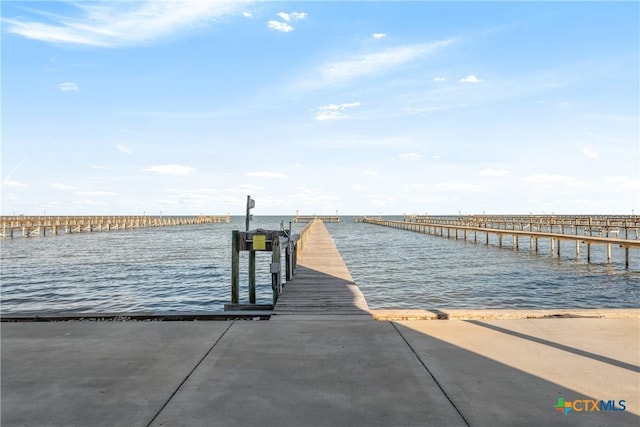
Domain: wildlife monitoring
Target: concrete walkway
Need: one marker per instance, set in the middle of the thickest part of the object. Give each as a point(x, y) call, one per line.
point(309, 368)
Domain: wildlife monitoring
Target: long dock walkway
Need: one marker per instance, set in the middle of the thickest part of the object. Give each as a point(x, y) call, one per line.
point(322, 284)
point(308, 368)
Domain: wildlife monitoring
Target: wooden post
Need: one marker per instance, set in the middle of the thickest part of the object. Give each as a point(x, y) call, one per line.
point(235, 267)
point(577, 248)
point(500, 240)
point(608, 252)
point(558, 248)
point(252, 276)
point(626, 258)
point(589, 249)
point(275, 264)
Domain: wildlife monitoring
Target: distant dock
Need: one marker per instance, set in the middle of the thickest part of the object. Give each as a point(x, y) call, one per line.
point(623, 231)
point(36, 226)
point(311, 218)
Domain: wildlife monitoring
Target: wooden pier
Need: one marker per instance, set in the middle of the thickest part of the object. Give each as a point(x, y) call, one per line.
point(311, 218)
point(35, 226)
point(322, 284)
point(578, 230)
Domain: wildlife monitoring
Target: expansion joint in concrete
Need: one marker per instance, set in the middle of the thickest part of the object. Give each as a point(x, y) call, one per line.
point(430, 374)
point(186, 378)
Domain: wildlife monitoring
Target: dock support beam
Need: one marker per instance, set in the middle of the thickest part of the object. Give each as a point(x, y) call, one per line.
point(235, 267)
point(252, 277)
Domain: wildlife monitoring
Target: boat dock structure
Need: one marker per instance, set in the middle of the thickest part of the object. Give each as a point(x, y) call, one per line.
point(326, 359)
point(610, 231)
point(32, 226)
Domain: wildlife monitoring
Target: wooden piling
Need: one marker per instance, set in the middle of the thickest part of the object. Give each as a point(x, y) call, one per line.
point(235, 267)
point(252, 276)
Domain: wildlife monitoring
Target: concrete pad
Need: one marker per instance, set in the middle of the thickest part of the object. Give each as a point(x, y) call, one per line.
point(601, 313)
point(512, 372)
point(310, 373)
point(403, 314)
point(467, 314)
point(97, 373)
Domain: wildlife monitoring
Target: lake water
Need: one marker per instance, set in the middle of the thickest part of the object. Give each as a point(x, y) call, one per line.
point(188, 269)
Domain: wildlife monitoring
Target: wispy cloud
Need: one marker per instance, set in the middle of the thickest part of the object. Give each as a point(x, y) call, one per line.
point(368, 172)
point(60, 186)
point(554, 180)
point(123, 149)
point(410, 156)
point(378, 36)
point(494, 172)
point(170, 169)
point(285, 27)
point(112, 24)
point(470, 79)
point(439, 79)
point(456, 186)
point(68, 87)
point(334, 111)
point(369, 64)
point(97, 193)
point(266, 174)
point(589, 153)
point(279, 26)
point(13, 184)
point(292, 16)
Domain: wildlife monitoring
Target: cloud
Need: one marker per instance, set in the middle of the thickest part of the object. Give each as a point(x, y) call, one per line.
point(15, 184)
point(334, 111)
point(378, 36)
point(439, 79)
point(60, 186)
point(369, 64)
point(68, 87)
point(455, 186)
point(247, 14)
point(112, 24)
point(494, 172)
point(170, 169)
point(589, 153)
point(287, 17)
point(123, 149)
point(470, 79)
point(279, 26)
point(292, 16)
point(553, 180)
point(96, 193)
point(410, 156)
point(368, 172)
point(264, 174)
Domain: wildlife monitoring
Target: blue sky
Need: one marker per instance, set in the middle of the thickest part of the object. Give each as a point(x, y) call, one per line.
point(361, 107)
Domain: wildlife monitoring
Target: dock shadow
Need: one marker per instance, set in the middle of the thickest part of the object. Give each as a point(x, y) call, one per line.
point(487, 392)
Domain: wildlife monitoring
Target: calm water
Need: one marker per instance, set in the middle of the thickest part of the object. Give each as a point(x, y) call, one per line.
point(189, 269)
